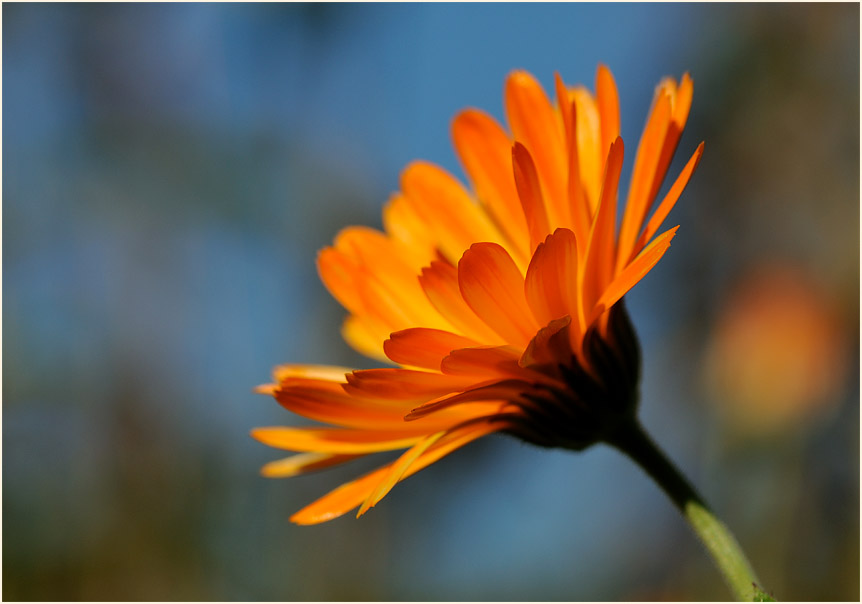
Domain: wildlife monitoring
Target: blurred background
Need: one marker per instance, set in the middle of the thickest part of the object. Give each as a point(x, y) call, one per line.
point(169, 173)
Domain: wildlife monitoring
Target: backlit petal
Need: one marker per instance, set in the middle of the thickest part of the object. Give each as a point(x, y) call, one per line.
point(397, 469)
point(332, 440)
point(609, 106)
point(668, 202)
point(403, 384)
point(350, 495)
point(494, 288)
point(485, 151)
point(302, 463)
point(551, 285)
point(447, 210)
point(530, 194)
point(366, 336)
point(440, 283)
point(482, 362)
point(535, 125)
point(601, 249)
point(637, 269)
point(643, 174)
point(422, 347)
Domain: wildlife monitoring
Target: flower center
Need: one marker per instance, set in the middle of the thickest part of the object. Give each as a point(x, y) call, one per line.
point(593, 399)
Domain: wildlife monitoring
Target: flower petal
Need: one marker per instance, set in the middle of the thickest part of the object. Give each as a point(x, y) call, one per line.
point(551, 344)
point(396, 471)
point(327, 373)
point(503, 392)
point(608, 103)
point(551, 285)
point(447, 210)
point(493, 287)
point(601, 248)
point(580, 208)
point(591, 154)
point(366, 335)
point(402, 384)
point(636, 271)
point(680, 98)
point(350, 495)
point(482, 362)
point(535, 124)
point(485, 151)
point(332, 440)
point(338, 273)
point(406, 228)
point(668, 202)
point(422, 347)
point(386, 285)
point(643, 174)
point(440, 283)
point(530, 194)
point(328, 402)
point(303, 463)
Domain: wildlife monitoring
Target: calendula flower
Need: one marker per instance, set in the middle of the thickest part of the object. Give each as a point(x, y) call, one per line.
point(501, 303)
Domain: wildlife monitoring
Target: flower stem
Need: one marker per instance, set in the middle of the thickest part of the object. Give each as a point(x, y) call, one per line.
point(715, 536)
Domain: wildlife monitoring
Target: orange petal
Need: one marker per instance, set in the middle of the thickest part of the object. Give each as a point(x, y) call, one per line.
point(365, 273)
point(669, 201)
point(406, 228)
point(551, 283)
point(485, 151)
point(327, 373)
point(636, 271)
point(535, 124)
point(551, 345)
point(581, 209)
point(484, 362)
point(489, 364)
point(350, 495)
point(338, 273)
point(446, 209)
point(366, 335)
point(386, 285)
point(591, 154)
point(530, 194)
point(601, 248)
point(303, 463)
point(609, 106)
point(332, 440)
point(440, 283)
point(493, 287)
point(680, 98)
point(421, 347)
point(682, 101)
point(646, 163)
point(403, 384)
point(397, 470)
point(327, 402)
point(502, 392)
point(341, 500)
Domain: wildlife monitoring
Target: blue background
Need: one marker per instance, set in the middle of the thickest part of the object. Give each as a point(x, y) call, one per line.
point(169, 172)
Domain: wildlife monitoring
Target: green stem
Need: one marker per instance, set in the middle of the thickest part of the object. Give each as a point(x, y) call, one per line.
point(715, 536)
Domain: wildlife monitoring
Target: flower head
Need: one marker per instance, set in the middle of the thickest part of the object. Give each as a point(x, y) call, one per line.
point(500, 304)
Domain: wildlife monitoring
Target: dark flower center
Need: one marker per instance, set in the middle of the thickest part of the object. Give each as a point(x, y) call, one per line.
point(594, 399)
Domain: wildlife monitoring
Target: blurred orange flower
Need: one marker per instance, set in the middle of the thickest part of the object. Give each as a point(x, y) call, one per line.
point(776, 357)
point(501, 305)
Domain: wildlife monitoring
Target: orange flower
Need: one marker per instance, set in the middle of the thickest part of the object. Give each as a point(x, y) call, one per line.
point(501, 305)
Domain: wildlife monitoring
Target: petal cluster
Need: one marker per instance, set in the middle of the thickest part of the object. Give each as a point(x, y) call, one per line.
point(488, 298)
